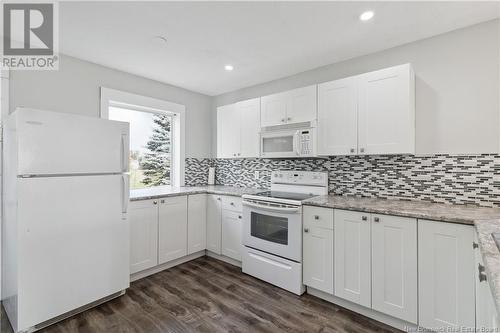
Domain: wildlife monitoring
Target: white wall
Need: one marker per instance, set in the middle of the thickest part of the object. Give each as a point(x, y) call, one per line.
point(74, 88)
point(457, 88)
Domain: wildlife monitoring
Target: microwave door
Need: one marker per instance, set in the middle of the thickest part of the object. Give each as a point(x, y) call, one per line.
point(278, 145)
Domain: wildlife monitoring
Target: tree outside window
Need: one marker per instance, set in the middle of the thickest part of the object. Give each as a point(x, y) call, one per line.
point(150, 146)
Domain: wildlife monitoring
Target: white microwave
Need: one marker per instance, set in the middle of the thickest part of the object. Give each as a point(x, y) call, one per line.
point(288, 143)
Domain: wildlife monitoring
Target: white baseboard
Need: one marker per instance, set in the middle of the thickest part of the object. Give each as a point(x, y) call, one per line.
point(375, 315)
point(167, 265)
point(224, 258)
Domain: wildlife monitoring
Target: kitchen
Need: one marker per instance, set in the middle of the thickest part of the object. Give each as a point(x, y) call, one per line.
point(266, 177)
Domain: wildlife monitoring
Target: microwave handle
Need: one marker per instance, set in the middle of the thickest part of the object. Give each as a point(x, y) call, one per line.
point(297, 142)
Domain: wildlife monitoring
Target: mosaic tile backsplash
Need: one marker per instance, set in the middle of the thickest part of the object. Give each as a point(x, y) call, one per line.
point(456, 179)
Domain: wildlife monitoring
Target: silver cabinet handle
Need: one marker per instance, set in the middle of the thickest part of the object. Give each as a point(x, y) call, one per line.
point(232, 203)
point(376, 219)
point(162, 201)
point(218, 199)
point(306, 230)
point(316, 217)
point(482, 275)
point(289, 118)
point(283, 120)
point(353, 150)
point(364, 218)
point(239, 216)
point(475, 245)
point(362, 150)
point(239, 154)
point(155, 202)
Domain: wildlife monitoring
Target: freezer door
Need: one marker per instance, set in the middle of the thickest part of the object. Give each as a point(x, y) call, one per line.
point(73, 244)
point(53, 143)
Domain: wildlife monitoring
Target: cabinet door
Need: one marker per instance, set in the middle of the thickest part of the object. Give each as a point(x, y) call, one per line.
point(352, 256)
point(387, 111)
point(445, 275)
point(318, 248)
point(250, 127)
point(197, 223)
point(228, 131)
point(273, 110)
point(232, 234)
point(214, 223)
point(172, 228)
point(301, 105)
point(394, 266)
point(143, 218)
point(338, 117)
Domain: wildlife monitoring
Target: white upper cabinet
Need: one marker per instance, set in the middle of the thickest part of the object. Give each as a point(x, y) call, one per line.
point(228, 131)
point(338, 117)
point(250, 127)
point(386, 111)
point(238, 128)
point(289, 107)
point(372, 113)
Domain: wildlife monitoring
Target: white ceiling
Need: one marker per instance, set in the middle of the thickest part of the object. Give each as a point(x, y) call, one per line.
point(263, 40)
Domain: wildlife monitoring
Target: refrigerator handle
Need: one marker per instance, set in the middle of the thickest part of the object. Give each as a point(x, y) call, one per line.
point(124, 155)
point(125, 193)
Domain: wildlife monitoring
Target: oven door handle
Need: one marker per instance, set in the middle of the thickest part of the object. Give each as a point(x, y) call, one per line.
point(271, 208)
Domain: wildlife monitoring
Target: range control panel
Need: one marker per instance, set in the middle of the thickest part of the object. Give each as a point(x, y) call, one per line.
point(315, 178)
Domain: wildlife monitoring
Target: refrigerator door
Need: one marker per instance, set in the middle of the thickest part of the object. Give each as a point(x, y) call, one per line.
point(53, 143)
point(73, 243)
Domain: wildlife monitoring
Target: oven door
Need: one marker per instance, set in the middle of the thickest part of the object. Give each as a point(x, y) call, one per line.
point(275, 229)
point(279, 144)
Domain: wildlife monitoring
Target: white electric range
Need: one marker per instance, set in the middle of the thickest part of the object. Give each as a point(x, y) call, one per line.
point(272, 227)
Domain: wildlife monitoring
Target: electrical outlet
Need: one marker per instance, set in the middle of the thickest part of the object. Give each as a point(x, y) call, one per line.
point(256, 175)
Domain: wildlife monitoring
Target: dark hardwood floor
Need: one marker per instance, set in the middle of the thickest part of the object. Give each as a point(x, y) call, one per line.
point(207, 295)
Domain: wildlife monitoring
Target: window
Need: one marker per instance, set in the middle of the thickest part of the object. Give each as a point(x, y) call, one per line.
point(156, 140)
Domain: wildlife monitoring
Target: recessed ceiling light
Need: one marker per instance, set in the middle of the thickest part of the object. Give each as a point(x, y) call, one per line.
point(228, 67)
point(368, 15)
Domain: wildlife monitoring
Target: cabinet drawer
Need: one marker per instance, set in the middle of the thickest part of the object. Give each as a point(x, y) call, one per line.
point(318, 217)
point(232, 203)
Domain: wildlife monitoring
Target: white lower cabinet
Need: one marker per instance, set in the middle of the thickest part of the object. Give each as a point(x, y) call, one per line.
point(486, 313)
point(394, 266)
point(318, 248)
point(143, 220)
point(197, 223)
point(172, 228)
point(214, 223)
point(352, 251)
point(232, 229)
point(445, 275)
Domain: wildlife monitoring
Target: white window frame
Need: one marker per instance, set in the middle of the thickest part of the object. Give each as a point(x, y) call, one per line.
point(117, 98)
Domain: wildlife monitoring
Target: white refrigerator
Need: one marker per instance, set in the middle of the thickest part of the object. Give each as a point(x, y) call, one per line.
point(65, 234)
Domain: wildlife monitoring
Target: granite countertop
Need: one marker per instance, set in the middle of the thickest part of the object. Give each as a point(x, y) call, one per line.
point(171, 191)
point(416, 209)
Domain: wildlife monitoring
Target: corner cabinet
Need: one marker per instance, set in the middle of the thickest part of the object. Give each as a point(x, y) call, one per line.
point(289, 107)
point(197, 223)
point(238, 128)
point(372, 113)
point(445, 275)
point(214, 223)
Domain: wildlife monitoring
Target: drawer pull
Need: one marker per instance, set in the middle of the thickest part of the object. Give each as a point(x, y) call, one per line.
point(364, 218)
point(306, 230)
point(481, 274)
point(377, 219)
point(316, 217)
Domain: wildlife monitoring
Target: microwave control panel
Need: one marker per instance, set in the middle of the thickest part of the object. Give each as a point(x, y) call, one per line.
point(305, 143)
